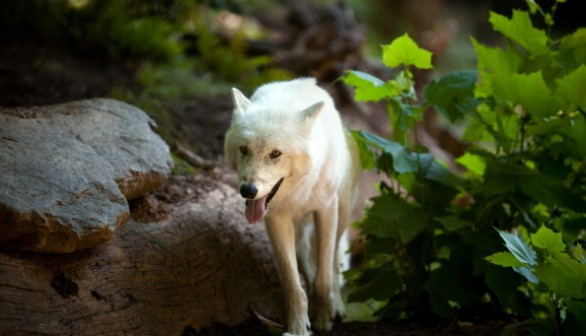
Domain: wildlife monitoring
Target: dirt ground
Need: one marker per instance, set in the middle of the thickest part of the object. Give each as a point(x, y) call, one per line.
point(32, 75)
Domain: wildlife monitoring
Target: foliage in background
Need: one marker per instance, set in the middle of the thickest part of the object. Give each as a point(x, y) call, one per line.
point(182, 33)
point(229, 62)
point(127, 28)
point(208, 66)
point(177, 45)
point(427, 234)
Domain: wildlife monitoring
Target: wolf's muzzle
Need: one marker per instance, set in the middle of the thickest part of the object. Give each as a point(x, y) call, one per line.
point(248, 190)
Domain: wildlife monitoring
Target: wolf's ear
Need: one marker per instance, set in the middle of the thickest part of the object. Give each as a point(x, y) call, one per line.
point(240, 101)
point(312, 111)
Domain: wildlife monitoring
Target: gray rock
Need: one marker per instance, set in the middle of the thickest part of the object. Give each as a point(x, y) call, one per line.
point(66, 170)
point(57, 194)
point(120, 133)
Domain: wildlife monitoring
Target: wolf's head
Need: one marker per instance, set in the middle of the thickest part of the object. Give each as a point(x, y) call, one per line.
point(267, 146)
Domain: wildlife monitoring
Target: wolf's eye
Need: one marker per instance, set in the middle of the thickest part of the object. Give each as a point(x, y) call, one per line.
point(275, 154)
point(243, 150)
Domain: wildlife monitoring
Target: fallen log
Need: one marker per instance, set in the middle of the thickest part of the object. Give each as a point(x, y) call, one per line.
point(186, 258)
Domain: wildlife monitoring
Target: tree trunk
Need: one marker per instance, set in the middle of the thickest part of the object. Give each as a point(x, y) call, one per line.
point(186, 258)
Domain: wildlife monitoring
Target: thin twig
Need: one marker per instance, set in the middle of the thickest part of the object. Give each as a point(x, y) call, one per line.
point(193, 158)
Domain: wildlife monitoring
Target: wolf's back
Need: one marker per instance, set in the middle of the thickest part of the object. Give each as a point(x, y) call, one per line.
point(294, 96)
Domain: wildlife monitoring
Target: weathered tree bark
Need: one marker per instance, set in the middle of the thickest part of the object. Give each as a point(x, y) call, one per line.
point(198, 262)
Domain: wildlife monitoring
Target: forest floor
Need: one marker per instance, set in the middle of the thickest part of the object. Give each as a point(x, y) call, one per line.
point(33, 75)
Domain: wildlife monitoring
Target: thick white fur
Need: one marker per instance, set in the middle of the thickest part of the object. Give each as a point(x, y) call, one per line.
point(319, 165)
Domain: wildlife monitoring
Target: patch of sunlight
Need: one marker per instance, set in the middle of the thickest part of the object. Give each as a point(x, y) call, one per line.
point(78, 4)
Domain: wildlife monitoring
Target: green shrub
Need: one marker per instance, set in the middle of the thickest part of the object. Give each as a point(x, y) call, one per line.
point(125, 28)
point(229, 61)
point(427, 234)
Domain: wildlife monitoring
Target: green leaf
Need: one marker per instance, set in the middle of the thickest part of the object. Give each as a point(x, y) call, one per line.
point(382, 287)
point(576, 132)
point(548, 240)
point(473, 163)
point(403, 161)
point(548, 126)
point(357, 78)
point(527, 90)
point(492, 61)
point(520, 29)
point(503, 284)
point(401, 117)
point(404, 51)
point(453, 95)
point(571, 87)
point(527, 273)
point(505, 259)
point(519, 247)
point(572, 51)
point(370, 88)
point(499, 179)
point(433, 196)
point(406, 84)
point(431, 169)
point(506, 177)
point(453, 223)
point(390, 215)
point(533, 6)
point(548, 190)
point(564, 276)
point(367, 155)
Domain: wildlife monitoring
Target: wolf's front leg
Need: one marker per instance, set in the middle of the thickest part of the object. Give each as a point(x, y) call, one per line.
point(324, 310)
point(281, 232)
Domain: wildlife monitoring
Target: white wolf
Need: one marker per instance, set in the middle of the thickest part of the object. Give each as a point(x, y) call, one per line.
point(297, 165)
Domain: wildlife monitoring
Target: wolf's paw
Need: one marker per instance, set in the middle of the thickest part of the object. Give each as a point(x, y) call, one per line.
point(338, 308)
point(300, 327)
point(327, 310)
point(323, 320)
point(309, 333)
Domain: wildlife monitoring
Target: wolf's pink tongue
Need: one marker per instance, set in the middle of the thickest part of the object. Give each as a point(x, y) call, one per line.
point(255, 210)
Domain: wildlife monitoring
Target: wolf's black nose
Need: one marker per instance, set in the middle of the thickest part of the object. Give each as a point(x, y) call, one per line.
point(248, 190)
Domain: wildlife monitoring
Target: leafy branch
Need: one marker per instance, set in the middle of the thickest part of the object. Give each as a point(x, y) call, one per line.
point(426, 238)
